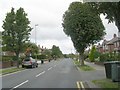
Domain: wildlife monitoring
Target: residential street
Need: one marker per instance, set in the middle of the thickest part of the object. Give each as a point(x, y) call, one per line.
point(56, 74)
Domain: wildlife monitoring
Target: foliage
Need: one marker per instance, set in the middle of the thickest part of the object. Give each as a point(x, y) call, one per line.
point(8, 58)
point(83, 25)
point(40, 57)
point(48, 53)
point(92, 54)
point(71, 55)
point(16, 30)
point(86, 68)
point(56, 52)
point(11, 70)
point(106, 84)
point(32, 46)
point(65, 55)
point(109, 57)
point(110, 9)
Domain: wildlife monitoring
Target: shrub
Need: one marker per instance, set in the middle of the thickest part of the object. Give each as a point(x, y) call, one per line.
point(91, 55)
point(110, 57)
point(8, 58)
point(40, 56)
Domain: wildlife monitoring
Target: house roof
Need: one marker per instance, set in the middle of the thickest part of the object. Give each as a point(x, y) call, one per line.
point(113, 40)
point(105, 42)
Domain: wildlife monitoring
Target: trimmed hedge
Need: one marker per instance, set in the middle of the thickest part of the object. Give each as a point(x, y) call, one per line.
point(110, 57)
point(40, 56)
point(8, 58)
point(11, 58)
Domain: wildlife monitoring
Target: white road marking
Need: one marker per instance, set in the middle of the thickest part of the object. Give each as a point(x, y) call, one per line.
point(40, 73)
point(20, 84)
point(49, 68)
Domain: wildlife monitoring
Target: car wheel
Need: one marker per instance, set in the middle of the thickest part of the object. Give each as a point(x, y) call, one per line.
point(22, 66)
point(36, 66)
point(31, 66)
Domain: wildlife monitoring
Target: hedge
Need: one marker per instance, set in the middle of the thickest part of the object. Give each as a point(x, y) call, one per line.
point(110, 57)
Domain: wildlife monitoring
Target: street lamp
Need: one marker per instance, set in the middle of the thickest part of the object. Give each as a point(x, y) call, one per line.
point(35, 34)
point(36, 38)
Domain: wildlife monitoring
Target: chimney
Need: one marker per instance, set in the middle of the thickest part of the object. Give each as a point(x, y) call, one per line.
point(114, 35)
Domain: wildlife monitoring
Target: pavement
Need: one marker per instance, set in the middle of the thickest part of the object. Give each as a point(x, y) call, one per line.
point(54, 74)
point(89, 76)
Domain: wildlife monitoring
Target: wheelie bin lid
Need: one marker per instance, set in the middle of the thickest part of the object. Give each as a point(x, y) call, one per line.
point(112, 62)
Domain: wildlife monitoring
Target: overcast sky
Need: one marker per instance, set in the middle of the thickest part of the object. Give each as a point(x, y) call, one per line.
point(48, 15)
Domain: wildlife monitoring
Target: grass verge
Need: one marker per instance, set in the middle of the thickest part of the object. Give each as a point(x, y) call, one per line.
point(106, 84)
point(84, 68)
point(11, 70)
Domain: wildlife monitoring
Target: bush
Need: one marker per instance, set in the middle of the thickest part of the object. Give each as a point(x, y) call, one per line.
point(40, 56)
point(110, 57)
point(93, 54)
point(8, 58)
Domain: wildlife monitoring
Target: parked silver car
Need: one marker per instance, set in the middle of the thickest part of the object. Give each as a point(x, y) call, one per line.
point(29, 62)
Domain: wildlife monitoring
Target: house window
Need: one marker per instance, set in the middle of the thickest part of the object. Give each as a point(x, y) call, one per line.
point(118, 44)
point(115, 44)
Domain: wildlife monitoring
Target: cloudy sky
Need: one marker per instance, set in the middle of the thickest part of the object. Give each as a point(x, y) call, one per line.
point(48, 15)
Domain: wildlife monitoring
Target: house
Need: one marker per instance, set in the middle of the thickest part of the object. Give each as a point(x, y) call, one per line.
point(99, 48)
point(112, 45)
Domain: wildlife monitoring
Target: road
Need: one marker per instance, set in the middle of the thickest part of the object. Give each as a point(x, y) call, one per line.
point(55, 74)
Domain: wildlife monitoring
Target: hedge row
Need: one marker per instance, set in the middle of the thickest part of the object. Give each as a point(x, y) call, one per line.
point(110, 57)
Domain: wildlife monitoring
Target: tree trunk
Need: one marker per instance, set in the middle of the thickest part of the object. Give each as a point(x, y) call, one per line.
point(81, 57)
point(17, 57)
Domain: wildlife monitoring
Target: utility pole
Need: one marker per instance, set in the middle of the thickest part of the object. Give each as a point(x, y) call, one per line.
point(36, 38)
point(36, 34)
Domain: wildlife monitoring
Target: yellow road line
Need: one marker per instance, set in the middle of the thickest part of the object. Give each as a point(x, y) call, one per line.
point(82, 86)
point(78, 85)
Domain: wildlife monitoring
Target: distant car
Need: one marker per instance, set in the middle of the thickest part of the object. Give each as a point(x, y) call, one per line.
point(29, 62)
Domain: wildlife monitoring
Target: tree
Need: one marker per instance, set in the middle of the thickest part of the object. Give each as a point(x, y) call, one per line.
point(33, 48)
point(48, 53)
point(16, 31)
point(83, 25)
point(92, 54)
point(110, 9)
point(56, 52)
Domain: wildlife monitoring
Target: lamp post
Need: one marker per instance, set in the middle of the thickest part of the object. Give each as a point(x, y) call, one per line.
point(36, 38)
point(35, 34)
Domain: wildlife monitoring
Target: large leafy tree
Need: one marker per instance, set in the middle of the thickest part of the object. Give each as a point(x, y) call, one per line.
point(83, 25)
point(56, 52)
point(110, 9)
point(16, 31)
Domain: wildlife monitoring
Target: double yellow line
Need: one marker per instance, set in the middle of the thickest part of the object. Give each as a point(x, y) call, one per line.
point(80, 85)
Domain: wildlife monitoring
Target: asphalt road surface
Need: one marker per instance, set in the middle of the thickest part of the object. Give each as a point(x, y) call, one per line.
point(54, 74)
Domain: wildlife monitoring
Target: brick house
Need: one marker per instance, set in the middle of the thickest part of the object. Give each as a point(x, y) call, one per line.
point(112, 45)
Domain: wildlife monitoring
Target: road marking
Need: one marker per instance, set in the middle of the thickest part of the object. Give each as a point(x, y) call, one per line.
point(49, 68)
point(20, 84)
point(78, 85)
point(82, 86)
point(40, 73)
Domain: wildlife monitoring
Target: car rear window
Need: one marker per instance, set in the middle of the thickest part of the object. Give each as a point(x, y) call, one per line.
point(27, 59)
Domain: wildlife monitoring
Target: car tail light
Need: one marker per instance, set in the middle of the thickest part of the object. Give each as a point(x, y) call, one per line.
point(30, 62)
